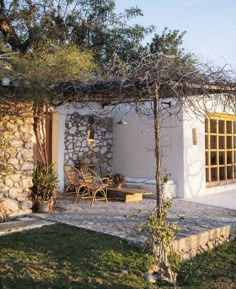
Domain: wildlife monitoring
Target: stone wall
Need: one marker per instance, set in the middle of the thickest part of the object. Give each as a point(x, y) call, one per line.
point(17, 143)
point(189, 247)
point(77, 143)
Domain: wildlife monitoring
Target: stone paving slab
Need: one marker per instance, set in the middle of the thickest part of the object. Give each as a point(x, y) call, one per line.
point(122, 219)
point(21, 224)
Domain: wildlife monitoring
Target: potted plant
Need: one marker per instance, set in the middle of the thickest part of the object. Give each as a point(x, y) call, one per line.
point(43, 191)
point(118, 180)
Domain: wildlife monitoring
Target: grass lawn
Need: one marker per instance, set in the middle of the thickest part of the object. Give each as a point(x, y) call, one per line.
point(62, 256)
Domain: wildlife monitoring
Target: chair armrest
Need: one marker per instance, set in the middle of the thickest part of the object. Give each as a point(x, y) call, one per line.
point(106, 181)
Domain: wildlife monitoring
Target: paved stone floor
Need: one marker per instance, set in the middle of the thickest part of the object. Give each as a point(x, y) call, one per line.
point(123, 219)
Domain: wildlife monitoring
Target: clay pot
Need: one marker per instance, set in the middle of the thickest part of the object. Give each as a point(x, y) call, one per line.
point(93, 159)
point(85, 160)
point(119, 185)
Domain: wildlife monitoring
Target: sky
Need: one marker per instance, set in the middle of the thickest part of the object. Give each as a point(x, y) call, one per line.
point(210, 25)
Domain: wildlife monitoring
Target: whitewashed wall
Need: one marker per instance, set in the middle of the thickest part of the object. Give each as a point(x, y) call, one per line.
point(133, 153)
point(194, 178)
point(133, 146)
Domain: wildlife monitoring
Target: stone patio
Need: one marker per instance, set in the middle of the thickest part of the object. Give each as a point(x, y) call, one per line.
point(123, 220)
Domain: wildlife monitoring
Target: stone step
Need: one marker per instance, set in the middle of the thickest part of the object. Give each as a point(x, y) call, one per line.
point(22, 224)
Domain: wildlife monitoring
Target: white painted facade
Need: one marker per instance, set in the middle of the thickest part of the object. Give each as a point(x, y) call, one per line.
point(133, 147)
point(133, 153)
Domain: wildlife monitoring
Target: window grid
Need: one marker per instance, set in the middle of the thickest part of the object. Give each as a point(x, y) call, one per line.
point(220, 149)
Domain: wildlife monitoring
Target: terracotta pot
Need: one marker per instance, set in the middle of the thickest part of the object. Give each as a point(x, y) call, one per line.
point(85, 160)
point(43, 207)
point(118, 186)
point(93, 159)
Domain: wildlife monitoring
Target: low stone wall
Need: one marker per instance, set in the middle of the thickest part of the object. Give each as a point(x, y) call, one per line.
point(76, 139)
point(189, 247)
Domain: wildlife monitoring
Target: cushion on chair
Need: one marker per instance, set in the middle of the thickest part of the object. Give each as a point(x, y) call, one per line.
point(150, 182)
point(134, 180)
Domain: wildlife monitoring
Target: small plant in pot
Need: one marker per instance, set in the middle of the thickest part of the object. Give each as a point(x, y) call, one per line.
point(118, 180)
point(108, 179)
point(43, 191)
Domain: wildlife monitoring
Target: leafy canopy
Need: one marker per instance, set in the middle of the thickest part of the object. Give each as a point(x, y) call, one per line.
point(33, 75)
point(88, 24)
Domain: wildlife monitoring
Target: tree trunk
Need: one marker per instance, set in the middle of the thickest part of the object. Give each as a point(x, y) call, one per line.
point(156, 114)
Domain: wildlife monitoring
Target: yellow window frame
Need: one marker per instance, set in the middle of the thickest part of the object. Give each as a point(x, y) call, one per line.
point(220, 148)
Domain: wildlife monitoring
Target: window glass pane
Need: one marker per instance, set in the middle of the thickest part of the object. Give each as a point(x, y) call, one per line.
point(221, 142)
point(234, 171)
point(229, 142)
point(207, 175)
point(229, 126)
point(206, 141)
point(221, 158)
point(213, 158)
point(229, 173)
point(221, 124)
point(213, 123)
point(234, 138)
point(222, 174)
point(206, 125)
point(234, 153)
point(213, 174)
point(234, 127)
point(206, 155)
point(213, 141)
point(229, 157)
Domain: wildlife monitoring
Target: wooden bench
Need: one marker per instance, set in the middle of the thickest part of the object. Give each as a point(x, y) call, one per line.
point(127, 194)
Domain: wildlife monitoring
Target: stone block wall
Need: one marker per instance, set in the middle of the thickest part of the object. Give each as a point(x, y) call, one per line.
point(77, 144)
point(17, 142)
point(190, 246)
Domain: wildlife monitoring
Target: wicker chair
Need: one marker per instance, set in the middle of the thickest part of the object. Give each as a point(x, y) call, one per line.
point(76, 181)
point(96, 185)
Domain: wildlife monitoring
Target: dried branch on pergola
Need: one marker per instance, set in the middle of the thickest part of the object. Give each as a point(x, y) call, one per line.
point(179, 81)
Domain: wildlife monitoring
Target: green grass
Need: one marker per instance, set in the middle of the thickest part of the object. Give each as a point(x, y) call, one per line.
point(62, 256)
point(215, 269)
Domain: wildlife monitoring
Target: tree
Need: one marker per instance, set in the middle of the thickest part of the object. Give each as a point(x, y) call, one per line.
point(153, 79)
point(168, 43)
point(90, 24)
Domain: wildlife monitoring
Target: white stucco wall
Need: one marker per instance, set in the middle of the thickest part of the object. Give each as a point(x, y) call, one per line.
point(133, 146)
point(172, 142)
point(194, 183)
point(133, 153)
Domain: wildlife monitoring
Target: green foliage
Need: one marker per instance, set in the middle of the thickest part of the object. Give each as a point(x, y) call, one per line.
point(35, 74)
point(160, 235)
point(169, 42)
point(90, 25)
point(118, 178)
point(44, 182)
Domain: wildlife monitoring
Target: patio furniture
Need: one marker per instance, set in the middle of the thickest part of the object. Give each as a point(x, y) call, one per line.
point(96, 185)
point(76, 180)
point(127, 194)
